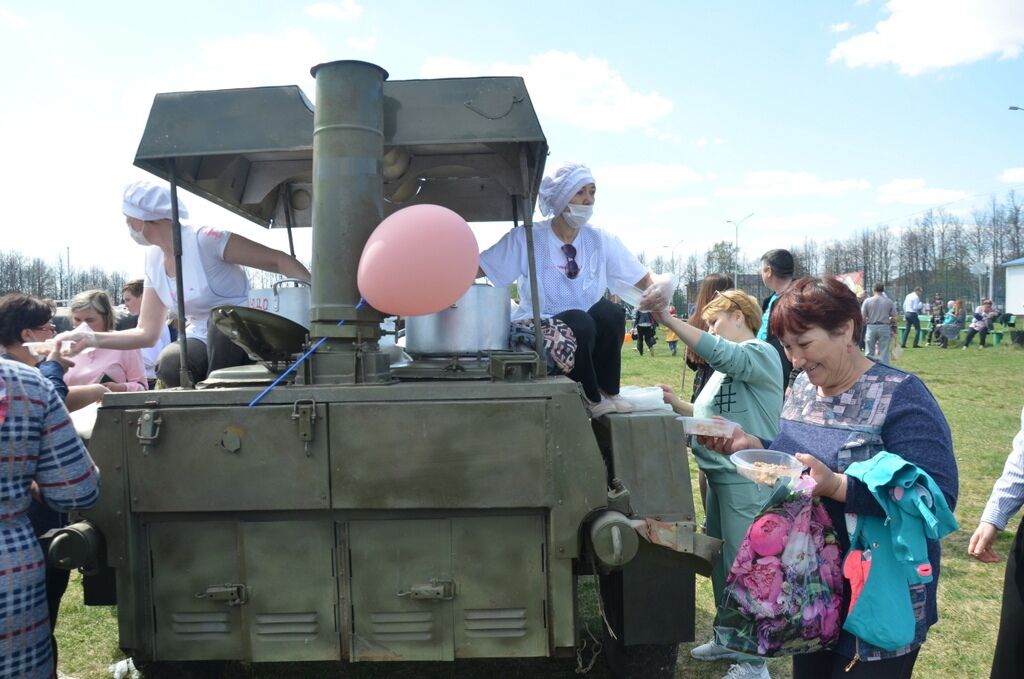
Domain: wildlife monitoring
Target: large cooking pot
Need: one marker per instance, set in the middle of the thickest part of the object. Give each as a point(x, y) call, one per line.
point(288, 297)
point(479, 321)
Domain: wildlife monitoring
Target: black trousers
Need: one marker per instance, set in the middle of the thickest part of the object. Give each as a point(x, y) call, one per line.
point(1009, 656)
point(599, 336)
point(970, 336)
point(218, 352)
point(829, 665)
point(912, 322)
point(644, 335)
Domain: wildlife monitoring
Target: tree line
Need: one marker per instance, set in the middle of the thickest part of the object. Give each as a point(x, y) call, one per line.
point(935, 251)
point(35, 276)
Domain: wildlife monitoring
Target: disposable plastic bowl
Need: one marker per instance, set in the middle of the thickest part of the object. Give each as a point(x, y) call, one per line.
point(705, 426)
point(40, 348)
point(766, 466)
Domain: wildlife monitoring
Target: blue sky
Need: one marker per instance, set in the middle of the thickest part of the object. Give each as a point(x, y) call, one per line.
point(821, 118)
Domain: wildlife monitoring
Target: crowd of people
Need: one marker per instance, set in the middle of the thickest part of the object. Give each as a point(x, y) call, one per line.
point(805, 372)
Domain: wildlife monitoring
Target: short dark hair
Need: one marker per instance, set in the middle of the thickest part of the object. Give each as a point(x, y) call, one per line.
point(879, 287)
point(781, 262)
point(20, 312)
point(134, 287)
point(815, 302)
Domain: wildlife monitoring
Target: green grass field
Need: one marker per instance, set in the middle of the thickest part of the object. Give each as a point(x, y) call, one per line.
point(981, 393)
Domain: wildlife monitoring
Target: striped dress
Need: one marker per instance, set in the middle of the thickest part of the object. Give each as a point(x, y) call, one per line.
point(37, 443)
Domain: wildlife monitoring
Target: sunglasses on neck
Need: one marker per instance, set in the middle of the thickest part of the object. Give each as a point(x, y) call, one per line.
point(572, 269)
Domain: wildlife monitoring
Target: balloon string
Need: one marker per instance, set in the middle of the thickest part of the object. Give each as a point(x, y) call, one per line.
point(293, 366)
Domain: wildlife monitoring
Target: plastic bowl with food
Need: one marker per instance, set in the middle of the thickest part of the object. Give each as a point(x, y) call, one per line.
point(766, 466)
point(706, 426)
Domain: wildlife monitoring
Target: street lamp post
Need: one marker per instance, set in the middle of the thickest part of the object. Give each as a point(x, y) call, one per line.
point(736, 255)
point(672, 255)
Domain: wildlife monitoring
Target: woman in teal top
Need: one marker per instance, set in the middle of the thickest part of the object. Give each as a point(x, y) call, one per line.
point(745, 388)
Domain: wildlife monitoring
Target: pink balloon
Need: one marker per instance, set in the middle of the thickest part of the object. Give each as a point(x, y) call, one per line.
point(418, 261)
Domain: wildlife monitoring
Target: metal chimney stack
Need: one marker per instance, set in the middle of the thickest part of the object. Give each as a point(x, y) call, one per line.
point(348, 146)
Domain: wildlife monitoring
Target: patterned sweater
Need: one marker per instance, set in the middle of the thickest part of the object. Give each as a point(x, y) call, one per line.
point(887, 409)
point(37, 443)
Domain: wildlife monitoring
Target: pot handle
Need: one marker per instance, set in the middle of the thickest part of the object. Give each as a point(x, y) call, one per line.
point(288, 280)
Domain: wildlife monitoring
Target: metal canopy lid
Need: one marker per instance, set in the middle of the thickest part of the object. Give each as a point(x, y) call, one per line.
point(452, 142)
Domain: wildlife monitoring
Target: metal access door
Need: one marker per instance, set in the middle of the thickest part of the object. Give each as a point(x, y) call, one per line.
point(440, 589)
point(250, 590)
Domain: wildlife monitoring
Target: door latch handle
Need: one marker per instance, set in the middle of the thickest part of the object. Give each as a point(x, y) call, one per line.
point(435, 590)
point(231, 594)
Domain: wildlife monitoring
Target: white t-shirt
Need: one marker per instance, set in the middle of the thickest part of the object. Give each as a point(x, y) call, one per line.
point(209, 281)
point(604, 263)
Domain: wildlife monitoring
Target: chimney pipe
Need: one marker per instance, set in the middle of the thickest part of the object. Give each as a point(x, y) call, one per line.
point(348, 146)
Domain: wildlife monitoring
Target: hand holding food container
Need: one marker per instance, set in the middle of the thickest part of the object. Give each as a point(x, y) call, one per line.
point(729, 443)
point(74, 342)
point(766, 467)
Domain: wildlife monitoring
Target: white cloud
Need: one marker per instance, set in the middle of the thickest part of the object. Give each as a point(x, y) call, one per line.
point(861, 3)
point(676, 204)
point(792, 224)
point(364, 43)
point(914, 192)
point(774, 183)
point(9, 19)
point(645, 176)
point(928, 35)
point(568, 88)
point(841, 28)
point(346, 10)
point(661, 135)
point(1012, 175)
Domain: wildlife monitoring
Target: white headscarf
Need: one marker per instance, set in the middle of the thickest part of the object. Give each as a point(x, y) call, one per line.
point(558, 188)
point(149, 202)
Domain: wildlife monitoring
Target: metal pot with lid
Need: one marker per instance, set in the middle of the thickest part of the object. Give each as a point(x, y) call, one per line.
point(478, 321)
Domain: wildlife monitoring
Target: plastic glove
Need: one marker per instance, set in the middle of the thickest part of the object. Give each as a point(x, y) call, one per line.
point(82, 338)
point(658, 296)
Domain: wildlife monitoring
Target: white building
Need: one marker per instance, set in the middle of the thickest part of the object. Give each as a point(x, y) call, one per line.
point(1015, 287)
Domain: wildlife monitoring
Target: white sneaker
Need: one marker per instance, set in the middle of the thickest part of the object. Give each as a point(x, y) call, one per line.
point(621, 404)
point(602, 407)
point(748, 670)
point(712, 650)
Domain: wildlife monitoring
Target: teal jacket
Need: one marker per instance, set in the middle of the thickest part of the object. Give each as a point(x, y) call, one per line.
point(915, 512)
point(744, 389)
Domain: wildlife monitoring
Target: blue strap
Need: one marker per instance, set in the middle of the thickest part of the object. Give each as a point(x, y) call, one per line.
point(293, 366)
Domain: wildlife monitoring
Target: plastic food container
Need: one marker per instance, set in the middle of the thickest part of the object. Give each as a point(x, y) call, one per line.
point(44, 348)
point(705, 426)
point(766, 466)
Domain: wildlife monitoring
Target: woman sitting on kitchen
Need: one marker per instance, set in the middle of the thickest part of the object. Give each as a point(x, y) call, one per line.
point(576, 264)
point(212, 275)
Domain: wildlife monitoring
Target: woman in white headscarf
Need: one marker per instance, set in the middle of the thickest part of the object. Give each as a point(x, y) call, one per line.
point(576, 264)
point(212, 275)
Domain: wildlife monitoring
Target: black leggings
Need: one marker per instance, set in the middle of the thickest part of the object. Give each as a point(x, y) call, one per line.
point(829, 665)
point(1009, 655)
point(599, 336)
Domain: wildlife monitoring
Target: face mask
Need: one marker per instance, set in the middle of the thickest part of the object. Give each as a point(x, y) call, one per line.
point(137, 236)
point(577, 215)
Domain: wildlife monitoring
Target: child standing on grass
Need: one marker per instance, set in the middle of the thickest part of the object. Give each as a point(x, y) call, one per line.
point(671, 338)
